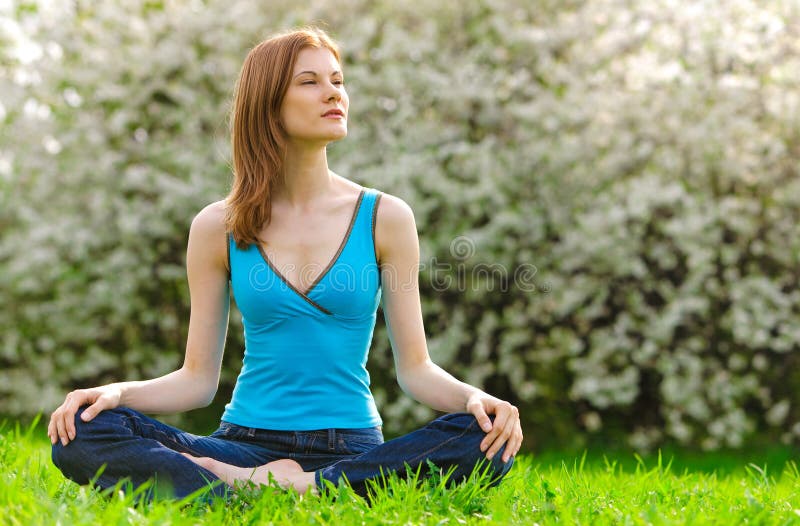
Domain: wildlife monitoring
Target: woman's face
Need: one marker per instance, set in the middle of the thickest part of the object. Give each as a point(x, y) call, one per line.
point(316, 91)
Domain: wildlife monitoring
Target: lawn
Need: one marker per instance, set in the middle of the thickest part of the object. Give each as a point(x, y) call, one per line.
point(593, 488)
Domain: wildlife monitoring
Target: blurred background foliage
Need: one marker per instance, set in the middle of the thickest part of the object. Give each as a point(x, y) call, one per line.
point(614, 185)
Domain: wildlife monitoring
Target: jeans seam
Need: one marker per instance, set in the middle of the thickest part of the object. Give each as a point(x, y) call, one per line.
point(168, 441)
point(347, 446)
point(318, 475)
point(131, 422)
point(442, 444)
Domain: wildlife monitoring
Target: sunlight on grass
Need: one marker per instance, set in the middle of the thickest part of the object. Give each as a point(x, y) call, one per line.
point(582, 490)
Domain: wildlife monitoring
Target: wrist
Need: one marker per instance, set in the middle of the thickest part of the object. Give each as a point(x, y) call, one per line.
point(118, 390)
point(472, 393)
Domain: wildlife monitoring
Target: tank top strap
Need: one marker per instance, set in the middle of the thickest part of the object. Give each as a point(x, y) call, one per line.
point(372, 198)
point(228, 241)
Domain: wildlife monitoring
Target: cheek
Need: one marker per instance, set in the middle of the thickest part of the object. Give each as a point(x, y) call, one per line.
point(292, 112)
point(293, 100)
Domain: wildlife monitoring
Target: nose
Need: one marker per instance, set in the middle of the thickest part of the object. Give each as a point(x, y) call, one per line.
point(334, 92)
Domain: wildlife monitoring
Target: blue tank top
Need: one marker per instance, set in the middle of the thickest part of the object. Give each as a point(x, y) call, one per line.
point(306, 353)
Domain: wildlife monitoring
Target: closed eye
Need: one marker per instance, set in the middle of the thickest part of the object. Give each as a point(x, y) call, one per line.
point(337, 82)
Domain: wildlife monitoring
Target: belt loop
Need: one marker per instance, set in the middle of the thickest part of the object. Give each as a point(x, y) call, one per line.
point(331, 439)
point(251, 432)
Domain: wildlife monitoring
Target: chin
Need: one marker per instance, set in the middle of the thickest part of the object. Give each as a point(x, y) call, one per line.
point(318, 134)
point(336, 136)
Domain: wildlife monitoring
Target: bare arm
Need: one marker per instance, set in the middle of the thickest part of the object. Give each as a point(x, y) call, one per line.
point(195, 383)
point(398, 249)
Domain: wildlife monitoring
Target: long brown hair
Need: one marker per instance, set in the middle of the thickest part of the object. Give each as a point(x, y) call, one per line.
point(258, 138)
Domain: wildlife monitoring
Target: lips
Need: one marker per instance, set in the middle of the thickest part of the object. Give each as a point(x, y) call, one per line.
point(333, 112)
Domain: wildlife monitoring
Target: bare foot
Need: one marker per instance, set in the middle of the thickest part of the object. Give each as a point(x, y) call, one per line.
point(286, 472)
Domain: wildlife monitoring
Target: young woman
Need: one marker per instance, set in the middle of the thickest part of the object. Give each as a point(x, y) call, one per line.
point(307, 255)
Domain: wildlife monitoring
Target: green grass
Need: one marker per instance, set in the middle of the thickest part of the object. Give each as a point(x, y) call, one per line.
point(551, 489)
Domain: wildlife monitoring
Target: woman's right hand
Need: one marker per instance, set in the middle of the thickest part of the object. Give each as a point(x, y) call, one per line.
point(62, 421)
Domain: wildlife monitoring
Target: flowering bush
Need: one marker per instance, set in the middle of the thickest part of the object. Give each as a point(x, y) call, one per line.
point(606, 194)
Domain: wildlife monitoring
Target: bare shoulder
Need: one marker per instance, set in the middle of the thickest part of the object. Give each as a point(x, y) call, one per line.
point(395, 227)
point(211, 215)
point(207, 233)
point(393, 210)
point(210, 221)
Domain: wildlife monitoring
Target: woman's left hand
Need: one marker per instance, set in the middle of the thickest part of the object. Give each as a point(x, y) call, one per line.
point(505, 429)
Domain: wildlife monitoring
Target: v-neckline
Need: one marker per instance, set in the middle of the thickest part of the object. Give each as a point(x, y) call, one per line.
point(331, 263)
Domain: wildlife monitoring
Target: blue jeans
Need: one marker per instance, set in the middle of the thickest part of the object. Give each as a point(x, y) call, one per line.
point(128, 444)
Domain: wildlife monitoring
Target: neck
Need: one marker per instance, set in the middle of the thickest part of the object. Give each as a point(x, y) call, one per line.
point(306, 177)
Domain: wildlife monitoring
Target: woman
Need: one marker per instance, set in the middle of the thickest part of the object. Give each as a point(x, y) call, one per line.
point(307, 255)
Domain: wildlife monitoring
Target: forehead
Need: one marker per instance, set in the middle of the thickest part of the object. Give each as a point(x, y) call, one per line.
point(320, 60)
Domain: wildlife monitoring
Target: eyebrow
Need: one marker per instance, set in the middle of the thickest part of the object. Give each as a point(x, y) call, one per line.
point(315, 73)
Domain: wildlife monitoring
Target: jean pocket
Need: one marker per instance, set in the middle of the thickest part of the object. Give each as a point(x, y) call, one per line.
point(356, 443)
point(229, 431)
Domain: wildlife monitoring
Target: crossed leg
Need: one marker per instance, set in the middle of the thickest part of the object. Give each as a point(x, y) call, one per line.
point(451, 441)
point(286, 472)
point(123, 443)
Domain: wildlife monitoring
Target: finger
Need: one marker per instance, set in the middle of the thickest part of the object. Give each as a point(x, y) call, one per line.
point(69, 417)
point(518, 436)
point(71, 407)
point(500, 422)
point(92, 411)
point(480, 415)
point(515, 440)
point(499, 442)
point(51, 429)
point(514, 443)
point(62, 430)
point(77, 399)
point(503, 427)
point(69, 424)
point(511, 445)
